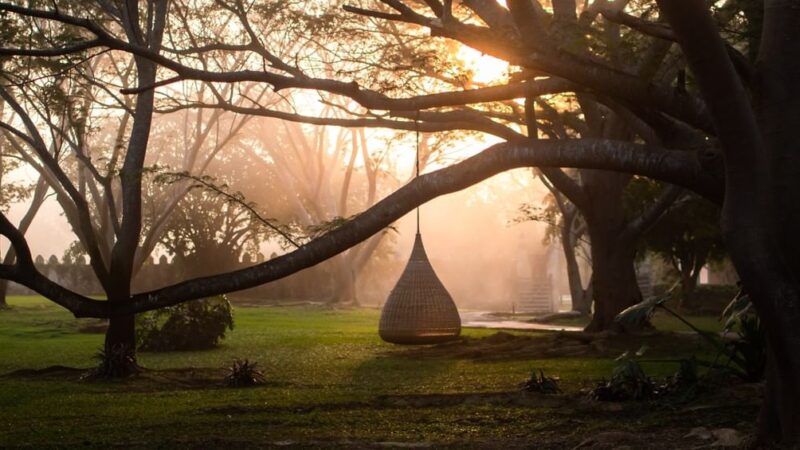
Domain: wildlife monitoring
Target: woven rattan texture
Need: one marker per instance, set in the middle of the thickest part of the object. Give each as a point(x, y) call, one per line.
point(419, 309)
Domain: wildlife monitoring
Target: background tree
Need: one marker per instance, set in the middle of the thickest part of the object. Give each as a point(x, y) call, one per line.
point(208, 234)
point(688, 238)
point(12, 191)
point(566, 227)
point(321, 183)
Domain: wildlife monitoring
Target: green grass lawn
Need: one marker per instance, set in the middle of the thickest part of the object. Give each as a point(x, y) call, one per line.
point(331, 382)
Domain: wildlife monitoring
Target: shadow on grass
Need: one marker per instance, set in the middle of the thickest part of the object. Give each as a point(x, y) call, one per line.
point(505, 346)
point(148, 380)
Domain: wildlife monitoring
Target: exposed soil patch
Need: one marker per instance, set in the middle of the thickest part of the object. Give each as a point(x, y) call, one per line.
point(145, 381)
point(507, 346)
point(52, 372)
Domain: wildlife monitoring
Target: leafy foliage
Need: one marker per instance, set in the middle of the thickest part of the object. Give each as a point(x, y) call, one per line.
point(243, 373)
point(628, 382)
point(687, 236)
point(220, 193)
point(750, 344)
point(641, 312)
point(195, 325)
point(746, 353)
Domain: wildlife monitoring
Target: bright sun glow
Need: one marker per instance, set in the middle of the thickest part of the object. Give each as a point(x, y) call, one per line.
point(486, 69)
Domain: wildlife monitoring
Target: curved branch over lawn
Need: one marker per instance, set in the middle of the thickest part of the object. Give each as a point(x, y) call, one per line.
point(676, 167)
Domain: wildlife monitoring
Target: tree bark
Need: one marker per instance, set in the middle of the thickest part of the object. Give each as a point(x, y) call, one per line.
point(581, 298)
point(762, 199)
point(3, 293)
point(121, 334)
point(614, 283)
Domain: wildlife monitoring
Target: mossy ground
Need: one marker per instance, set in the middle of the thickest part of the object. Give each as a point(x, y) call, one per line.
point(330, 382)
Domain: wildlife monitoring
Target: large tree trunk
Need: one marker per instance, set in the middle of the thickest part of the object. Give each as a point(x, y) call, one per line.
point(761, 211)
point(119, 350)
point(3, 293)
point(775, 287)
point(779, 420)
point(614, 283)
point(121, 334)
point(775, 293)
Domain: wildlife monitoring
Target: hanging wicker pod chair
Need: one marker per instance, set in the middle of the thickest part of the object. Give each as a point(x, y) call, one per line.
point(419, 309)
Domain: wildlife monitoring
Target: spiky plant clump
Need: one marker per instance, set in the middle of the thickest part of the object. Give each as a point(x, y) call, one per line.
point(118, 361)
point(243, 373)
point(541, 383)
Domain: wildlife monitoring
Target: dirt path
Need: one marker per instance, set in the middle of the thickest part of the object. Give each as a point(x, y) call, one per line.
point(484, 319)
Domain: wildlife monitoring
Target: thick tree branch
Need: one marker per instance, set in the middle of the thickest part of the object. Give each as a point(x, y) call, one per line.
point(650, 216)
point(18, 243)
point(566, 186)
point(677, 167)
point(492, 14)
point(663, 31)
point(672, 165)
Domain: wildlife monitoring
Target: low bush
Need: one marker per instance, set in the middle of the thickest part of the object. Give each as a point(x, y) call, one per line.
point(630, 382)
point(194, 325)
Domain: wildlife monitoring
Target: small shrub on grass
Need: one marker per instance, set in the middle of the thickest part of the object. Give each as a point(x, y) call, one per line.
point(630, 382)
point(541, 383)
point(194, 325)
point(686, 384)
point(243, 373)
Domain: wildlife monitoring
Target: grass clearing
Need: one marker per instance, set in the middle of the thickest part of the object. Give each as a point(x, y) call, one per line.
point(330, 382)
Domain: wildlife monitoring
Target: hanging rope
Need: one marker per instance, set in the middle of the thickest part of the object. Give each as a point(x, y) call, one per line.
point(416, 129)
point(419, 309)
